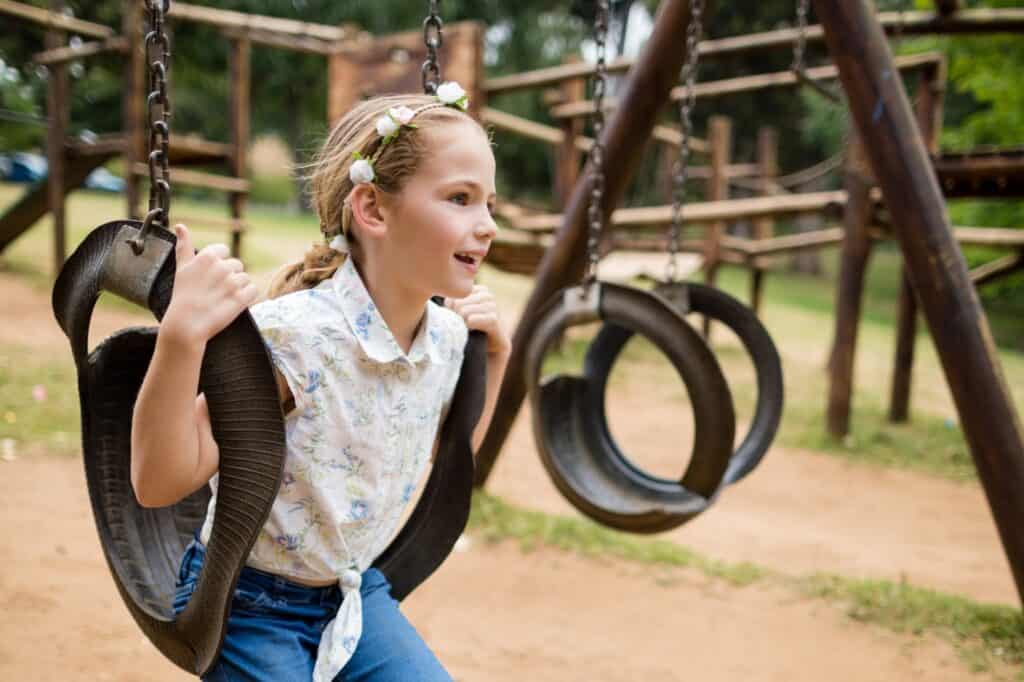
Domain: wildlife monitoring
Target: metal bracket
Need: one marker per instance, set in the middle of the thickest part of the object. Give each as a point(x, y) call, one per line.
point(582, 304)
point(132, 276)
point(678, 296)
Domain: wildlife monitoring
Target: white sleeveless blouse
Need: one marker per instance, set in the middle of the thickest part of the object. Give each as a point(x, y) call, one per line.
point(358, 441)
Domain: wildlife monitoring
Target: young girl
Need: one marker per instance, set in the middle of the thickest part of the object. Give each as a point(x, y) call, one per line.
point(366, 366)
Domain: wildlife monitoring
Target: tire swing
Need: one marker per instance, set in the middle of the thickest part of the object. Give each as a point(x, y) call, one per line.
point(570, 431)
point(688, 297)
point(143, 546)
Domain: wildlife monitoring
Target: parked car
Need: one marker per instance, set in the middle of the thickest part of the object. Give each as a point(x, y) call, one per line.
point(28, 167)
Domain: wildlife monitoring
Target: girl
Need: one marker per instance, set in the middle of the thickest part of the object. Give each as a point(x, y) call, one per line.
point(366, 365)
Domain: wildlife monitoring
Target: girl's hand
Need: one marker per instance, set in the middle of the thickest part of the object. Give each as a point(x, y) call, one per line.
point(210, 290)
point(480, 311)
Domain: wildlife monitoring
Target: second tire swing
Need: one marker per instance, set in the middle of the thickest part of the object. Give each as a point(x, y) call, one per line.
point(568, 412)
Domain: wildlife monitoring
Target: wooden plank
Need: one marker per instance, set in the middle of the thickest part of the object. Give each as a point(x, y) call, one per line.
point(706, 211)
point(193, 178)
point(993, 270)
point(61, 55)
point(228, 19)
point(970, 21)
point(283, 41)
point(989, 236)
point(743, 84)
point(55, 20)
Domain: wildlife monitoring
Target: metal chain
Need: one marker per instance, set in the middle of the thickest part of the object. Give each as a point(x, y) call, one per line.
point(158, 52)
point(686, 105)
point(595, 212)
point(799, 47)
point(433, 38)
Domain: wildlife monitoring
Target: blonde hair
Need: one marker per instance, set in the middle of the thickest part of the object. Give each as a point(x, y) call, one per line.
point(329, 183)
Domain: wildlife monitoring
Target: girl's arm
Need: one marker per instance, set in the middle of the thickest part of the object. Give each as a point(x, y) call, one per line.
point(173, 450)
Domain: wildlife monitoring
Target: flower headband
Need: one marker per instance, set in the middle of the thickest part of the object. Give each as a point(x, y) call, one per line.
point(449, 94)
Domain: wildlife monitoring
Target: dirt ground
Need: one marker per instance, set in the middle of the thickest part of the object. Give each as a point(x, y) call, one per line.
point(494, 613)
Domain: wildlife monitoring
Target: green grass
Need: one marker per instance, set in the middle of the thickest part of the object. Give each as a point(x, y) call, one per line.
point(981, 633)
point(52, 423)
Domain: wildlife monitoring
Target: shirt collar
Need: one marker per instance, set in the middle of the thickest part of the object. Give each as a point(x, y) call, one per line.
point(370, 329)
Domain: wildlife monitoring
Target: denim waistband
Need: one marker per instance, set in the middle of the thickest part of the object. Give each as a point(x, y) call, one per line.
point(274, 585)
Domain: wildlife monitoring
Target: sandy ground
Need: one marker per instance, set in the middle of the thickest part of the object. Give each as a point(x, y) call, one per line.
point(490, 613)
point(493, 613)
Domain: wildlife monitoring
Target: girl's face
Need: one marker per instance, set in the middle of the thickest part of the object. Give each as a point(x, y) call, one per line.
point(440, 224)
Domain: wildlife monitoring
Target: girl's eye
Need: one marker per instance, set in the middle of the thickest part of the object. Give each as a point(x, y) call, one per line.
point(460, 198)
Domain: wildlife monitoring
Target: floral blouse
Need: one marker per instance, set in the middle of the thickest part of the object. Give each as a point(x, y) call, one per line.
point(358, 441)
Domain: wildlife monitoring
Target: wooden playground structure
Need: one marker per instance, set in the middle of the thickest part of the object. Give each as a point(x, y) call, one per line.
point(895, 180)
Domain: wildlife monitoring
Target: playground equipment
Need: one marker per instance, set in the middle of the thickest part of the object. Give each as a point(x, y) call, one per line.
point(894, 174)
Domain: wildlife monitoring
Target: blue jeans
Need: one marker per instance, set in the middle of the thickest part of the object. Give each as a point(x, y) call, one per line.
point(275, 627)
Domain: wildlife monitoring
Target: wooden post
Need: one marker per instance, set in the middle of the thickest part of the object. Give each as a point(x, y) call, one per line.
point(646, 92)
point(134, 104)
point(567, 164)
point(720, 141)
point(58, 108)
point(240, 64)
point(856, 250)
point(768, 170)
point(934, 262)
point(928, 111)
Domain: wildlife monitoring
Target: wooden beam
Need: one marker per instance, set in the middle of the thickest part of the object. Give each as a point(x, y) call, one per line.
point(55, 20)
point(936, 267)
point(854, 256)
point(970, 21)
point(58, 111)
point(720, 140)
point(240, 70)
point(1000, 267)
point(61, 55)
point(989, 236)
point(928, 112)
point(555, 136)
point(281, 41)
point(742, 84)
point(705, 211)
point(228, 19)
point(193, 178)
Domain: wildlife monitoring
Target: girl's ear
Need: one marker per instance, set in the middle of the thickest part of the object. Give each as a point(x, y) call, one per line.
point(366, 209)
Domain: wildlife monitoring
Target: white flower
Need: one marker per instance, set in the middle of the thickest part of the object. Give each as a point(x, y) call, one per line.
point(360, 171)
point(339, 243)
point(402, 114)
point(452, 93)
point(386, 125)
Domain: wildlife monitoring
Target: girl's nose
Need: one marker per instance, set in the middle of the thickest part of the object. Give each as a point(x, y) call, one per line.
point(487, 228)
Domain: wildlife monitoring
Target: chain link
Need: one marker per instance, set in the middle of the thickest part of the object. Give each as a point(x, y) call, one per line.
point(158, 52)
point(686, 105)
point(433, 38)
point(595, 211)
